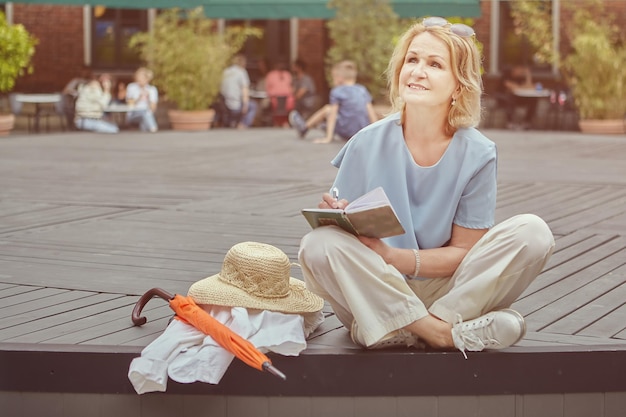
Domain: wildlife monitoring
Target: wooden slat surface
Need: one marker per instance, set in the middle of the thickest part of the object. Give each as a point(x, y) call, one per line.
point(89, 222)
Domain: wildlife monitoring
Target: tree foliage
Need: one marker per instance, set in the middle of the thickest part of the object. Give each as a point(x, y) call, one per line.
point(364, 31)
point(188, 55)
point(595, 69)
point(17, 48)
point(533, 21)
point(594, 64)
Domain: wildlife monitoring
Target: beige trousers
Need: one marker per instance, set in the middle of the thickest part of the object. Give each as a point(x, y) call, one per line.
point(360, 286)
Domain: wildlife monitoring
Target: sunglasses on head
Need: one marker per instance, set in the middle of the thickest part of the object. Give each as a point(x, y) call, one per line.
point(458, 29)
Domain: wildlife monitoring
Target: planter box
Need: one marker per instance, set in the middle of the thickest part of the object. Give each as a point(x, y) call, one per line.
point(604, 127)
point(7, 121)
point(191, 120)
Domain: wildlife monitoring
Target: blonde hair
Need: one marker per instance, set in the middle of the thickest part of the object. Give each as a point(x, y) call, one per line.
point(146, 72)
point(465, 61)
point(346, 70)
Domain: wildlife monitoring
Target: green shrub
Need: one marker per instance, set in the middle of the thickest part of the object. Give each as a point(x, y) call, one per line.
point(188, 55)
point(596, 67)
point(17, 48)
point(594, 62)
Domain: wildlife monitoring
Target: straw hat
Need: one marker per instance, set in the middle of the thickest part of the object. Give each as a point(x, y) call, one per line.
point(256, 275)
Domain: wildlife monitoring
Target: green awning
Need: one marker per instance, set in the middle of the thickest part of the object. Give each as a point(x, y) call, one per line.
point(318, 9)
point(282, 9)
point(119, 4)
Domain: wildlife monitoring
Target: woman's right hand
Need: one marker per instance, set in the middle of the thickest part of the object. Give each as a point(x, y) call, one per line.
point(328, 202)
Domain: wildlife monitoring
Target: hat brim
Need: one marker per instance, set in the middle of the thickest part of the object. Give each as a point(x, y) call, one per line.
point(214, 291)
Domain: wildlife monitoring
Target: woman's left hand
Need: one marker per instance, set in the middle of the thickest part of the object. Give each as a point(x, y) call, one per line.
point(377, 246)
point(401, 259)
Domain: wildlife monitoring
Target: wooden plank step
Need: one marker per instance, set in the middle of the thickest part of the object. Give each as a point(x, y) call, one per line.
point(544, 203)
point(105, 324)
point(621, 335)
point(51, 316)
point(583, 199)
point(103, 259)
point(6, 285)
point(53, 216)
point(584, 242)
point(14, 290)
point(61, 297)
point(576, 291)
point(590, 216)
point(564, 340)
point(27, 295)
point(133, 281)
point(536, 193)
point(65, 322)
point(594, 310)
point(9, 208)
point(130, 335)
point(612, 323)
point(580, 257)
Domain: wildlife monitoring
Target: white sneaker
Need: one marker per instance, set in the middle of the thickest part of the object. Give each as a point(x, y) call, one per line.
point(398, 338)
point(297, 121)
point(495, 330)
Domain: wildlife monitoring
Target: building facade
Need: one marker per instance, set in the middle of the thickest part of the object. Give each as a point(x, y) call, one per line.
point(74, 40)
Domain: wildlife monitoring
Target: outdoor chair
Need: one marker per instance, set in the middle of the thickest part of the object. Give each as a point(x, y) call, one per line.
point(562, 114)
point(279, 112)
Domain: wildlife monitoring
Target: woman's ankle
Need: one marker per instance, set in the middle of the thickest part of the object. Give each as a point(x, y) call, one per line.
point(435, 332)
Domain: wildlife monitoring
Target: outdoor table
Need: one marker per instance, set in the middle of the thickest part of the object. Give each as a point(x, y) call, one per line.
point(531, 93)
point(528, 98)
point(39, 100)
point(118, 111)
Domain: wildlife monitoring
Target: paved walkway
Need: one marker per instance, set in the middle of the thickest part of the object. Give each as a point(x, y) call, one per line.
point(88, 222)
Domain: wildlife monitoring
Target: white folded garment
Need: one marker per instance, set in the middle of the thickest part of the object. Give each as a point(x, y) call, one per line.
point(186, 355)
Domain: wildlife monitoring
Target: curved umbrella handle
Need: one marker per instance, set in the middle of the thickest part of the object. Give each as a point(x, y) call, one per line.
point(139, 320)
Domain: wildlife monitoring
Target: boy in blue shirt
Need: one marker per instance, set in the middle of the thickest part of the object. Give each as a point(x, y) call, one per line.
point(348, 111)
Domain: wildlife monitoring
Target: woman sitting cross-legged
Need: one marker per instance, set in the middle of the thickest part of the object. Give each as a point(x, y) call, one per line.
point(449, 281)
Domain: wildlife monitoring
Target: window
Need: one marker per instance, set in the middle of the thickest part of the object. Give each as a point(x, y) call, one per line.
point(515, 49)
point(112, 29)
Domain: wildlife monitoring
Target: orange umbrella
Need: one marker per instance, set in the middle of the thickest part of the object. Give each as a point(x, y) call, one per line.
point(189, 312)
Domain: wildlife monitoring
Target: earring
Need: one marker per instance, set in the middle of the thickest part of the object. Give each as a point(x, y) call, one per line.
point(453, 101)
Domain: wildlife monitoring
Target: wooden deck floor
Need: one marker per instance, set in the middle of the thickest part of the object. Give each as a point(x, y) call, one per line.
point(89, 222)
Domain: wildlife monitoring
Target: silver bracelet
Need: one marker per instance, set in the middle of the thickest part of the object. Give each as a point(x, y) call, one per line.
point(417, 262)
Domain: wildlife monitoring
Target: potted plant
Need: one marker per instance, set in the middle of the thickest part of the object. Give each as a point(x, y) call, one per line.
point(188, 54)
point(595, 72)
point(17, 48)
point(593, 65)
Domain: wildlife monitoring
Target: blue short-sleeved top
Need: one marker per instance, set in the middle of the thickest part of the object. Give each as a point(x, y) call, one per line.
point(460, 188)
point(352, 115)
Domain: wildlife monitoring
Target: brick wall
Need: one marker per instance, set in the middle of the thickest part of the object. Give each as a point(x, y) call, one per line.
point(313, 42)
point(59, 54)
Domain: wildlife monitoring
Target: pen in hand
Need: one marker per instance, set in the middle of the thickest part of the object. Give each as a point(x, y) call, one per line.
point(331, 199)
point(334, 193)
